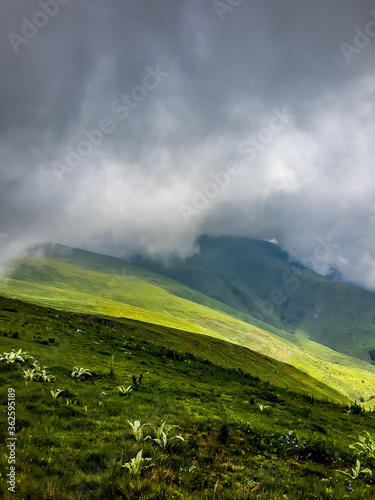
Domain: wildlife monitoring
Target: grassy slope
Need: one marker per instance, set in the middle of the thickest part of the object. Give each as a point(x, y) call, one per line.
point(245, 273)
point(38, 323)
point(74, 449)
point(133, 293)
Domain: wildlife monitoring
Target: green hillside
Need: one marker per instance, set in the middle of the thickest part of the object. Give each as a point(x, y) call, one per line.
point(24, 321)
point(256, 278)
point(238, 433)
point(85, 282)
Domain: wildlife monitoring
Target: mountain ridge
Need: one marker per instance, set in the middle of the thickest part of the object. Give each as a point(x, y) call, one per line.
point(80, 281)
point(257, 278)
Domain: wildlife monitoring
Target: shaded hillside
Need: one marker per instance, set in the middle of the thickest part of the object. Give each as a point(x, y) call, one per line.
point(79, 281)
point(256, 278)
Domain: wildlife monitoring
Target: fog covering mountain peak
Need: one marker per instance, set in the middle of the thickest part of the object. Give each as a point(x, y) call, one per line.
point(117, 116)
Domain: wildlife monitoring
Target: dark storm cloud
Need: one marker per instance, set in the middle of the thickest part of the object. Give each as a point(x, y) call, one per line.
point(148, 181)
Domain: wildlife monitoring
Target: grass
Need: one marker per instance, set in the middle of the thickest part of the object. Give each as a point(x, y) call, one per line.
point(245, 432)
point(36, 325)
point(77, 280)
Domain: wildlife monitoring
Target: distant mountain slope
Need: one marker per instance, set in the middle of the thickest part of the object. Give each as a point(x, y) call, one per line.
point(28, 320)
point(256, 278)
point(74, 280)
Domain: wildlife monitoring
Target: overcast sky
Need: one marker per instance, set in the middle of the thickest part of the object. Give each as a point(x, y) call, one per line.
point(279, 95)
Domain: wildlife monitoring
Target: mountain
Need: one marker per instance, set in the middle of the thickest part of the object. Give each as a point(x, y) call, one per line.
point(241, 417)
point(85, 282)
point(257, 278)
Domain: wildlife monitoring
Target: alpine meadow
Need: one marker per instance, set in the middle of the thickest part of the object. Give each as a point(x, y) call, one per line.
point(187, 257)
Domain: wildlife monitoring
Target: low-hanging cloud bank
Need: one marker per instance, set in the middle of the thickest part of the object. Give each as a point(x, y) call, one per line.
point(131, 128)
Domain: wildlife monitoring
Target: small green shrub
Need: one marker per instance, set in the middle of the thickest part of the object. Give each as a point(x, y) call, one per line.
point(80, 373)
point(38, 374)
point(137, 430)
point(19, 356)
point(356, 471)
point(136, 465)
point(124, 391)
point(365, 446)
point(55, 393)
point(162, 435)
